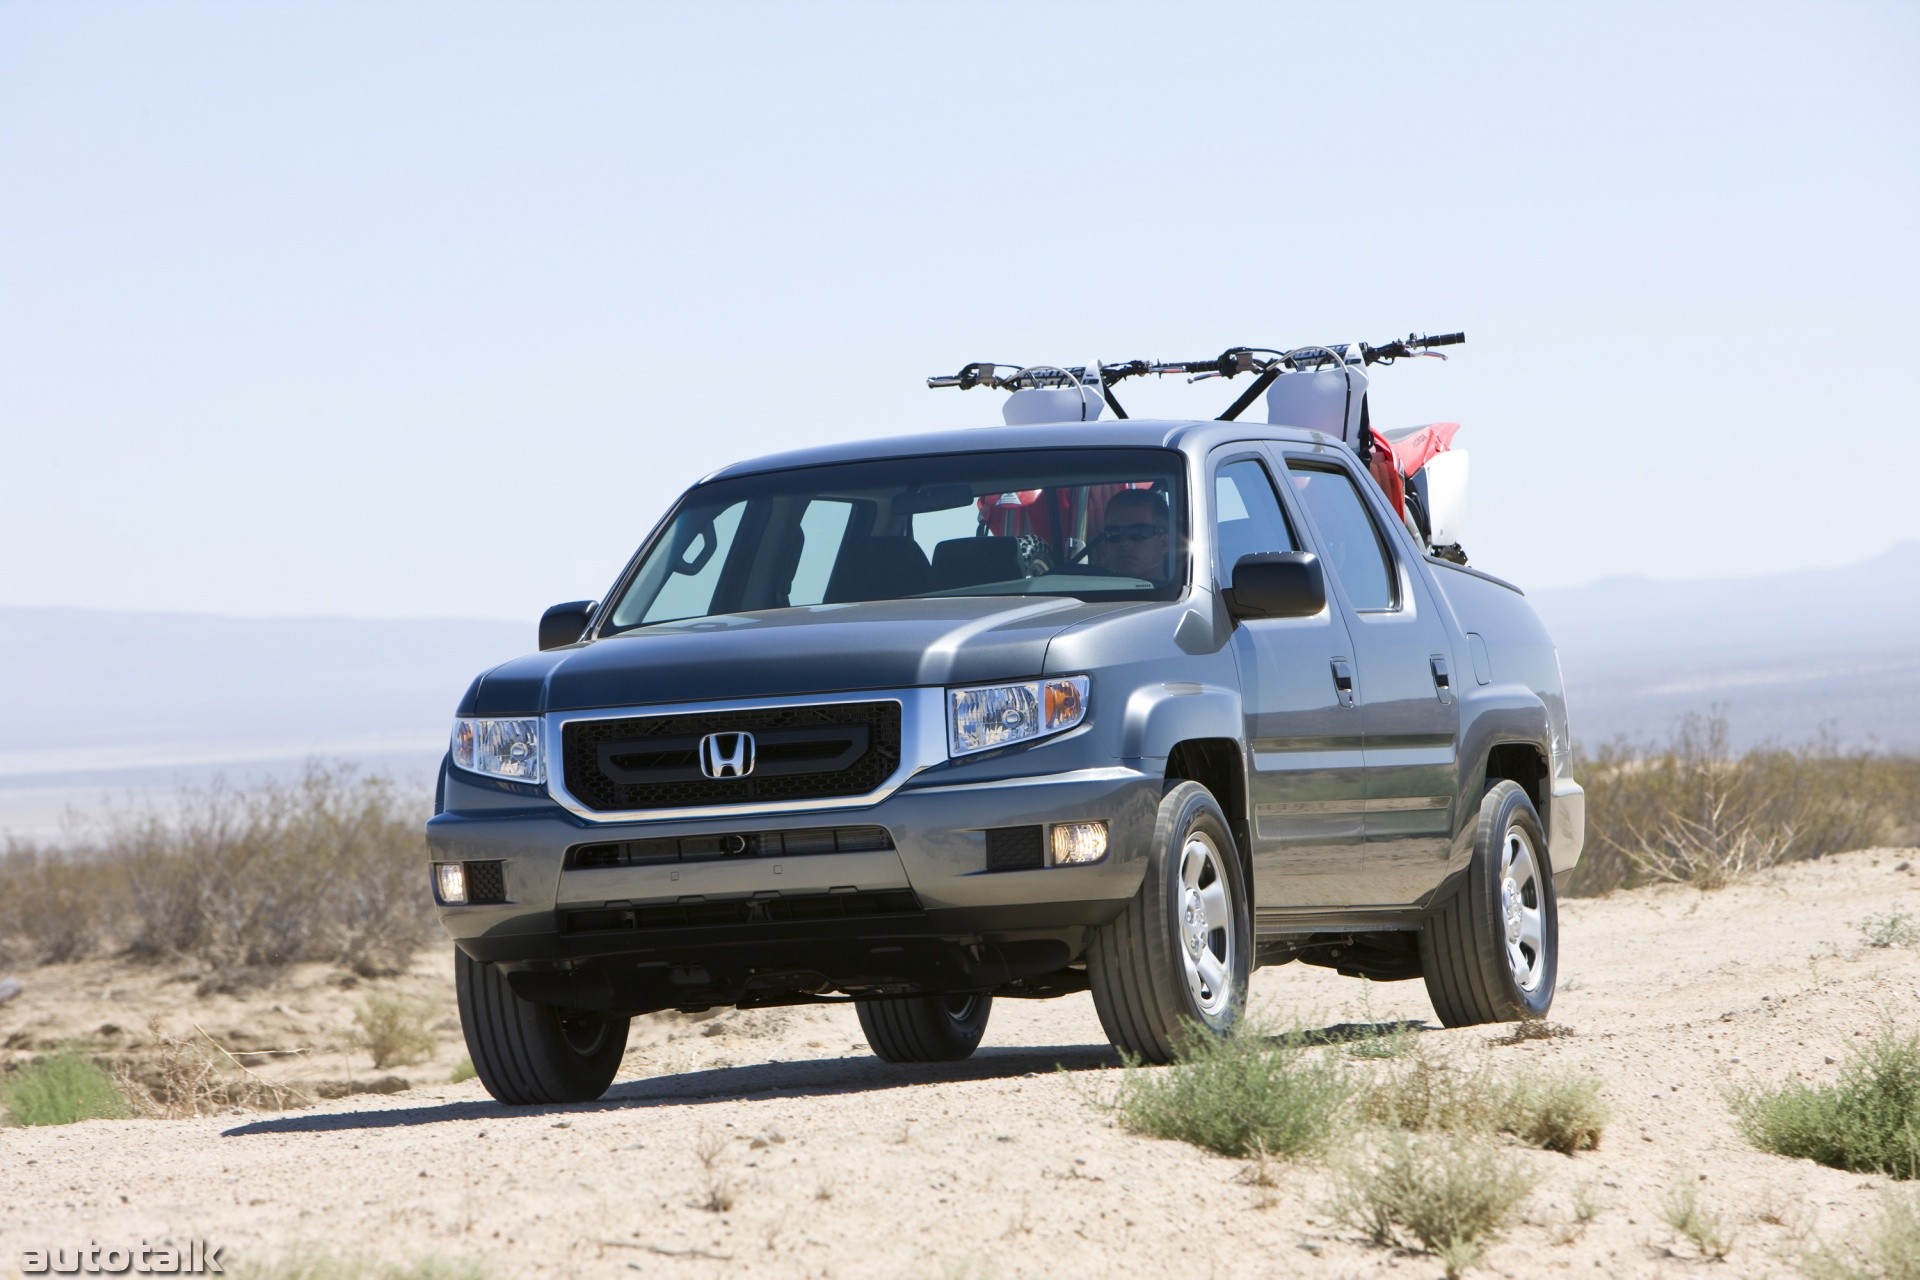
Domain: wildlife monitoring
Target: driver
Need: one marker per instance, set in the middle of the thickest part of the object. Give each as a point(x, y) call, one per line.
point(1133, 538)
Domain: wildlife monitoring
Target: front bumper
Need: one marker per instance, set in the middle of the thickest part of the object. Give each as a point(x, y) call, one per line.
point(964, 924)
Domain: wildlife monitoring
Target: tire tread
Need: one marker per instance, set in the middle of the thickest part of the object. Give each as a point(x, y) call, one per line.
point(1137, 977)
point(517, 1047)
point(1462, 952)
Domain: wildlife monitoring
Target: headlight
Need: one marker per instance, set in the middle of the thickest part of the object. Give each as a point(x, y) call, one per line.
point(500, 749)
point(1002, 714)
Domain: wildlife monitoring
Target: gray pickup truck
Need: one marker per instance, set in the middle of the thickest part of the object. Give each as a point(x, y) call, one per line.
point(1124, 706)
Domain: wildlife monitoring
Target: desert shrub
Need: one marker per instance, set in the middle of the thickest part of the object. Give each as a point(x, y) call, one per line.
point(61, 1088)
point(462, 1072)
point(1683, 1210)
point(1423, 1093)
point(329, 868)
point(1894, 929)
point(1693, 811)
point(1451, 1195)
point(1553, 1110)
point(1868, 1121)
point(54, 906)
point(1245, 1094)
point(395, 1030)
point(1890, 1249)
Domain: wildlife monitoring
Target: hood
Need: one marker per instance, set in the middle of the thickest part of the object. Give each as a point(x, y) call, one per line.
point(883, 644)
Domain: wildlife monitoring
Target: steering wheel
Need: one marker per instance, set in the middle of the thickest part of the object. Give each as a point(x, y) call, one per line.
point(1098, 570)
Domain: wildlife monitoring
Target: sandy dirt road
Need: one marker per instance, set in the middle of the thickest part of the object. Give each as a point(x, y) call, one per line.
point(835, 1164)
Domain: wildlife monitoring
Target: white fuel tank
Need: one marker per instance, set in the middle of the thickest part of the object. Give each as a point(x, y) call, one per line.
point(1051, 404)
point(1320, 400)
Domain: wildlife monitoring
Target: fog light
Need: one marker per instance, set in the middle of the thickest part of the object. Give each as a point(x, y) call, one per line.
point(451, 880)
point(1076, 843)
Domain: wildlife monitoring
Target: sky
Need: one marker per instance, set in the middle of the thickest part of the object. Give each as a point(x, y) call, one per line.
point(402, 310)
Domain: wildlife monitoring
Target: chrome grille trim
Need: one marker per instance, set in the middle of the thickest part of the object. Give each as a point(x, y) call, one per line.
point(923, 743)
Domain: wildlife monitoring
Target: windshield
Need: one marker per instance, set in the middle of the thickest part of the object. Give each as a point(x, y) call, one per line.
point(1098, 524)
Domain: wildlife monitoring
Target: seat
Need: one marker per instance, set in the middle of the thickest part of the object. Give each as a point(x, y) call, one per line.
point(880, 568)
point(970, 562)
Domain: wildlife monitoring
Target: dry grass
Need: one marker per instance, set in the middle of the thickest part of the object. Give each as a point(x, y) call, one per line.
point(1692, 811)
point(1894, 929)
point(331, 868)
point(1451, 1195)
point(320, 1264)
point(717, 1187)
point(186, 1076)
point(1683, 1210)
point(1889, 1250)
point(396, 1030)
point(1554, 1110)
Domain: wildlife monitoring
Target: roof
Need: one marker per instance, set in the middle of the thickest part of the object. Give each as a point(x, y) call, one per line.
point(1123, 433)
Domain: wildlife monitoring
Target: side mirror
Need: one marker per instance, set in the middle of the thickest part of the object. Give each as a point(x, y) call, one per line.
point(564, 624)
point(1282, 584)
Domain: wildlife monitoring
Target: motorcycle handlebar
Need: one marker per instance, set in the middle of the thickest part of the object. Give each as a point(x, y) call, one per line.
point(1410, 345)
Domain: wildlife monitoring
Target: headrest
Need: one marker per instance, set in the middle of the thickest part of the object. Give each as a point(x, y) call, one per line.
point(882, 568)
point(969, 562)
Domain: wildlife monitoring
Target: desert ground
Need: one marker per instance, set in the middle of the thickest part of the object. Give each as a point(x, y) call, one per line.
point(830, 1163)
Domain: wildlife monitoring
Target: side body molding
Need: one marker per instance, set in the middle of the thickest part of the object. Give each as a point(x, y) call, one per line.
point(1160, 715)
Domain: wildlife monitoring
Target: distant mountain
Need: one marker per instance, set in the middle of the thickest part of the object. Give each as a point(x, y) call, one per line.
point(1790, 656)
point(95, 703)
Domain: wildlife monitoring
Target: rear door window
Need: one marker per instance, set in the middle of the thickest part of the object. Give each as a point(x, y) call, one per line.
point(1357, 553)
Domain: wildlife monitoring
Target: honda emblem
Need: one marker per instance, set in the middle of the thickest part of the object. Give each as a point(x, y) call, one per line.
point(726, 755)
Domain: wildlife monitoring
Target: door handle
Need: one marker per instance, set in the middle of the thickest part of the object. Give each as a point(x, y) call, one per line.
point(1343, 681)
point(1442, 680)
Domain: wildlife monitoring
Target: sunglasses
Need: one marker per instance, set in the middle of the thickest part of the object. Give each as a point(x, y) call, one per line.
point(1133, 533)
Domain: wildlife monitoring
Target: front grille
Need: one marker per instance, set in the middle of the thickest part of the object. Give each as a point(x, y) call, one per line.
point(812, 752)
point(738, 844)
point(737, 911)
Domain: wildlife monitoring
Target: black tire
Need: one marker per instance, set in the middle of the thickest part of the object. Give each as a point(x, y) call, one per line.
point(1464, 946)
point(1138, 965)
point(527, 1054)
point(925, 1028)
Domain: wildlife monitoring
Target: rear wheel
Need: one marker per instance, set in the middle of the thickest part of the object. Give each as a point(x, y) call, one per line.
point(1491, 951)
point(1177, 960)
point(925, 1028)
point(527, 1053)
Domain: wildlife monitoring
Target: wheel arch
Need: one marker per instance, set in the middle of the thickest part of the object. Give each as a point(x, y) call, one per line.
point(1505, 736)
point(1524, 763)
point(1219, 765)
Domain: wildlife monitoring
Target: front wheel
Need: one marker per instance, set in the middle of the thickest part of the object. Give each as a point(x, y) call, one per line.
point(1491, 951)
point(527, 1053)
point(925, 1028)
point(1177, 960)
